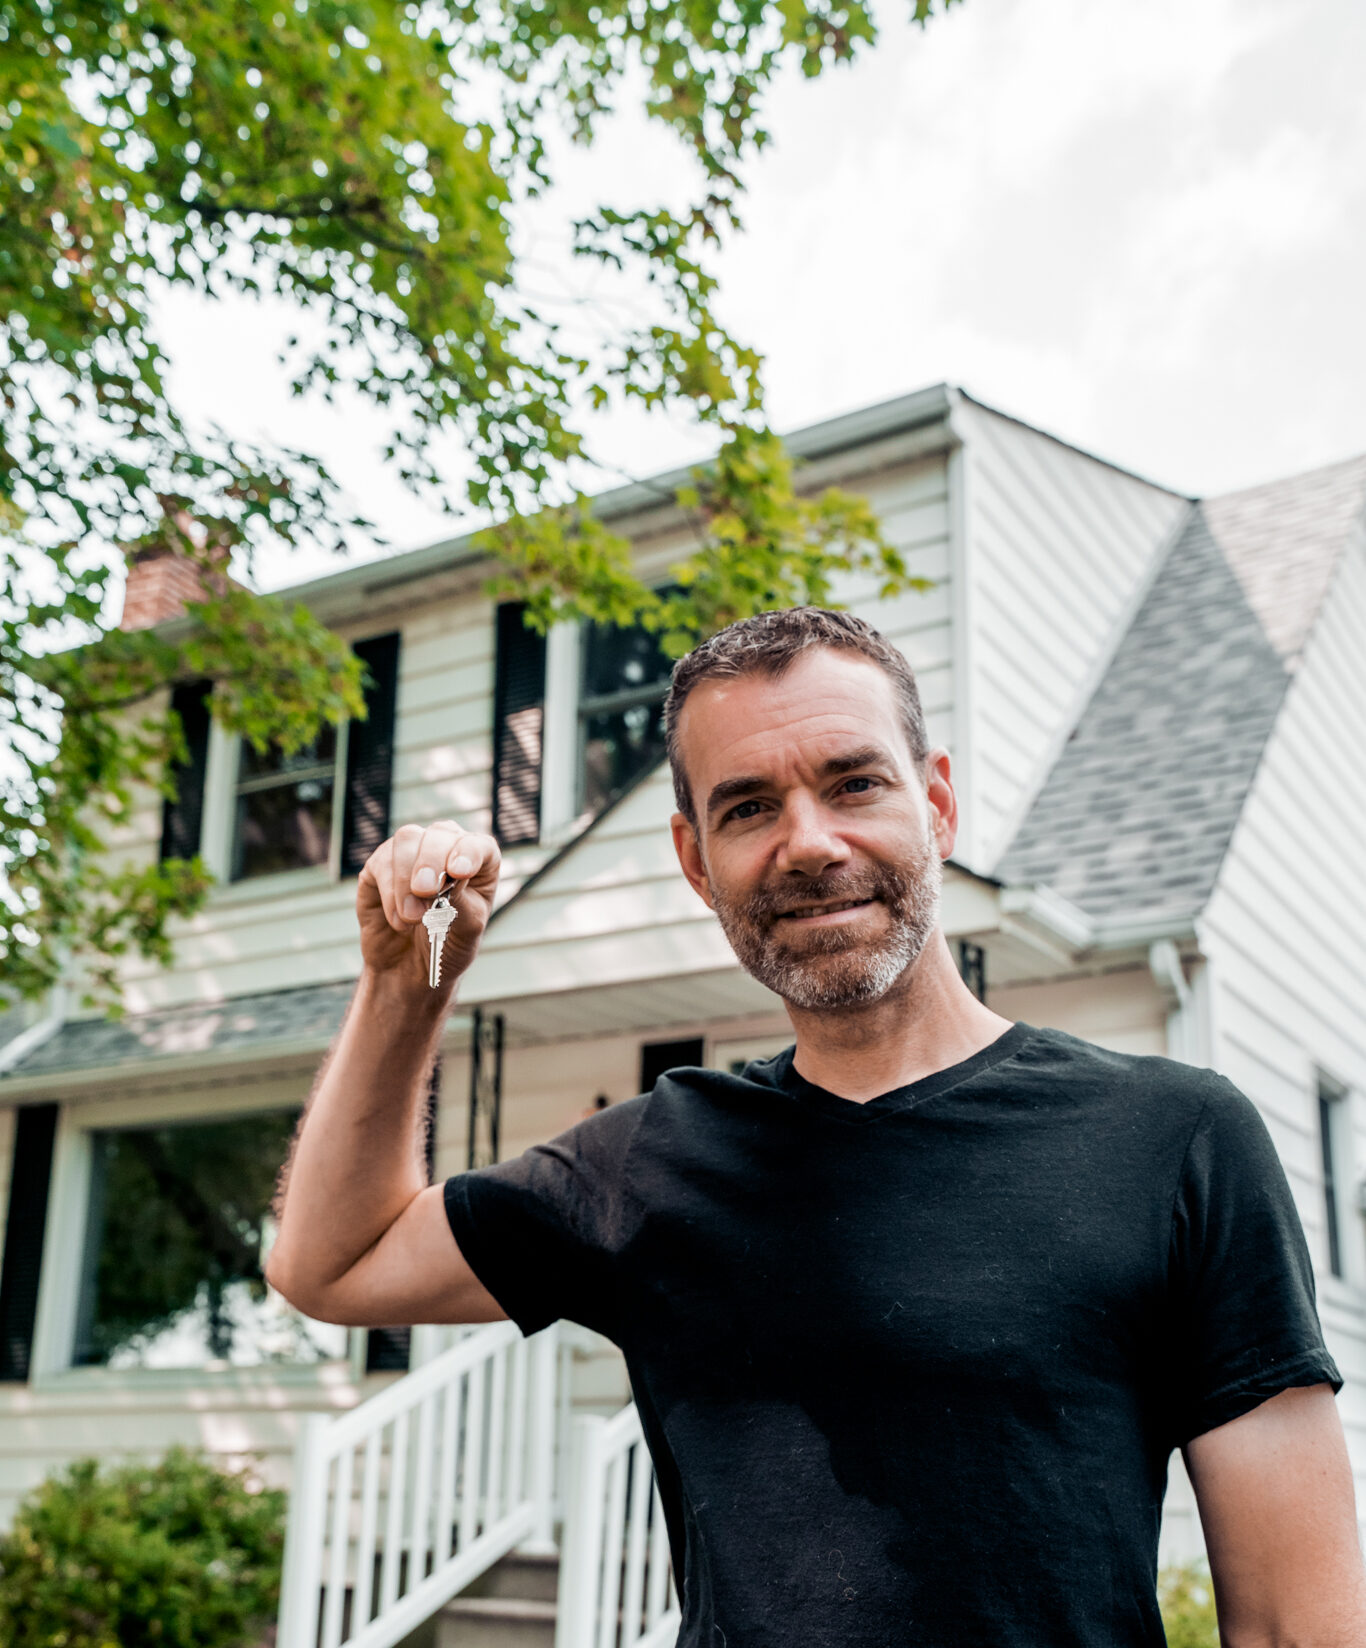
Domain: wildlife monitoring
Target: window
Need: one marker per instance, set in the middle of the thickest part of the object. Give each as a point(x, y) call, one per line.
point(1333, 1116)
point(625, 676)
point(657, 1057)
point(177, 1232)
point(284, 815)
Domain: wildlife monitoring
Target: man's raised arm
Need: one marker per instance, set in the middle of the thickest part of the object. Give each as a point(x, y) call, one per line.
point(362, 1238)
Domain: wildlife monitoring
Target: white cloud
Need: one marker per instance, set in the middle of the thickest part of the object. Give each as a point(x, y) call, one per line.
point(1138, 225)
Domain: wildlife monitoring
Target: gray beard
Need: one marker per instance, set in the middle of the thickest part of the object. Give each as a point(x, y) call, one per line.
point(832, 967)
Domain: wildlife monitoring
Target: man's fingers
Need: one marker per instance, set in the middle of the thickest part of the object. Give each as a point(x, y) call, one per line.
point(475, 858)
point(442, 852)
point(407, 842)
point(378, 870)
point(416, 863)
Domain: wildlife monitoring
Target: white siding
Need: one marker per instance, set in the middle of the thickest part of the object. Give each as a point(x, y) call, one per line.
point(1120, 1011)
point(1058, 548)
point(297, 929)
point(1285, 932)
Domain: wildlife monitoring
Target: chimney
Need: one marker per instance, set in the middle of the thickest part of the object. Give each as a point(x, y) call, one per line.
point(162, 579)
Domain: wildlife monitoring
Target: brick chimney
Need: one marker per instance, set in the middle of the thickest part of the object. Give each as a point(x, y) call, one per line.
point(162, 578)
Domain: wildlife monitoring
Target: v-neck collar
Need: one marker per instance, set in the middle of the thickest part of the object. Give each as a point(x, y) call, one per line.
point(826, 1103)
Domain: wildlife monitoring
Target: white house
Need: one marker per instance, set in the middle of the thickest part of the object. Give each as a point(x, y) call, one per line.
point(1156, 708)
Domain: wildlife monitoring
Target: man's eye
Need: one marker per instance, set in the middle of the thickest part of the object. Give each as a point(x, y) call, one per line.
point(868, 781)
point(740, 812)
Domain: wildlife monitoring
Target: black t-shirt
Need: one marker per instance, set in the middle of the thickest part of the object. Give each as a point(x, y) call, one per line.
point(911, 1370)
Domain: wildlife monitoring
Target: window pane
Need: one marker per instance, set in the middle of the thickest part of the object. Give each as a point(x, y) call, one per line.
point(321, 753)
point(617, 747)
point(617, 659)
point(178, 1230)
point(283, 828)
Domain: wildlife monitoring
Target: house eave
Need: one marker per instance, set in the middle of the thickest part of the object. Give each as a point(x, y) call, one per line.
point(378, 585)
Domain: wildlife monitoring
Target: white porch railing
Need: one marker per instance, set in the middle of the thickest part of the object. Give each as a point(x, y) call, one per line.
point(616, 1582)
point(401, 1502)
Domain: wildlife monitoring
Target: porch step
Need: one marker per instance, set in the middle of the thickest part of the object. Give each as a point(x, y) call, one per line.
point(495, 1622)
point(510, 1605)
point(523, 1576)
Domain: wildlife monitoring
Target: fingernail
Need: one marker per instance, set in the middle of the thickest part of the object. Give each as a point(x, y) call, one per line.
point(424, 881)
point(461, 867)
point(412, 908)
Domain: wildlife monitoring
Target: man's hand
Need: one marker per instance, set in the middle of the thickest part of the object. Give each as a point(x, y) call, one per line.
point(1274, 1488)
point(399, 881)
point(363, 1238)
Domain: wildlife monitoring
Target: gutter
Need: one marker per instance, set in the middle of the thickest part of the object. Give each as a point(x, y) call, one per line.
point(1044, 918)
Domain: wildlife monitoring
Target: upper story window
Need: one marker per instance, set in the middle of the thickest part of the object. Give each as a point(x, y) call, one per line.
point(253, 814)
point(625, 677)
point(285, 814)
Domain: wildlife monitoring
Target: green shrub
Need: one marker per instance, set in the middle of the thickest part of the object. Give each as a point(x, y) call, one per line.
point(176, 1554)
point(1186, 1597)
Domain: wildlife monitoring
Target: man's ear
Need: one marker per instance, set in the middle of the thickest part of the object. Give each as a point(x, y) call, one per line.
point(943, 801)
point(690, 858)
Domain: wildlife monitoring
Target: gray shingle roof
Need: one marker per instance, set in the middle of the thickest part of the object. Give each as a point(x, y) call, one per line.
point(270, 1019)
point(1137, 812)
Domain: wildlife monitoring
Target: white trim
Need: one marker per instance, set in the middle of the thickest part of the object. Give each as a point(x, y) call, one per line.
point(958, 476)
point(1038, 914)
point(340, 776)
point(220, 785)
point(560, 731)
point(59, 1281)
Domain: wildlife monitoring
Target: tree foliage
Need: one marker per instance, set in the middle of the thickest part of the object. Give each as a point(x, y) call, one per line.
point(1186, 1596)
point(365, 161)
point(176, 1554)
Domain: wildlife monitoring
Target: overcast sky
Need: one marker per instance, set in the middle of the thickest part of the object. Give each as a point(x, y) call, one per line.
point(1140, 227)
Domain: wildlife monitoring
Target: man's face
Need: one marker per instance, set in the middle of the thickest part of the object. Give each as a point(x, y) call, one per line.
point(818, 841)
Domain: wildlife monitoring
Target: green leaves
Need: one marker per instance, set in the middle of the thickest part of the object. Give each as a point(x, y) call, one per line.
point(761, 543)
point(176, 1554)
point(366, 161)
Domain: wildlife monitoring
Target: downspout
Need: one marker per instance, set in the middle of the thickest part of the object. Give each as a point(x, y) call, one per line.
point(1164, 963)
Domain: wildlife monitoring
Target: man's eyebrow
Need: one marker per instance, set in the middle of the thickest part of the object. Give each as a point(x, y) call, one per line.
point(736, 789)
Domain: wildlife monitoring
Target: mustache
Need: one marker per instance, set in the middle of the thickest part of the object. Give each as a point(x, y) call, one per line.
point(768, 904)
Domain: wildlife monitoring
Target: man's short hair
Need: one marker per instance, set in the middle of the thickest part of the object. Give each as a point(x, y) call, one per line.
point(769, 644)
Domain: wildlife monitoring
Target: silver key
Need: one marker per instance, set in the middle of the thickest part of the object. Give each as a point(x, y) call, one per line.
point(437, 919)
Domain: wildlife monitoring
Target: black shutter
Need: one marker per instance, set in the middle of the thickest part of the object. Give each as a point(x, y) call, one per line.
point(181, 819)
point(370, 755)
point(35, 1127)
point(518, 712)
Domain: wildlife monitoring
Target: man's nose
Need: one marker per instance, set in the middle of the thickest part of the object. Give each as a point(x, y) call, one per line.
point(811, 844)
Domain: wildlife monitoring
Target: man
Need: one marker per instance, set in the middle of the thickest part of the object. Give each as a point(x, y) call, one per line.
point(914, 1312)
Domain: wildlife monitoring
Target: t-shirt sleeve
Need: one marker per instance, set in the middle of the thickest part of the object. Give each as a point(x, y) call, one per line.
point(1240, 1278)
point(543, 1231)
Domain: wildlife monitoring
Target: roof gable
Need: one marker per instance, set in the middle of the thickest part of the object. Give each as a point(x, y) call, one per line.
point(1283, 540)
point(1138, 810)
